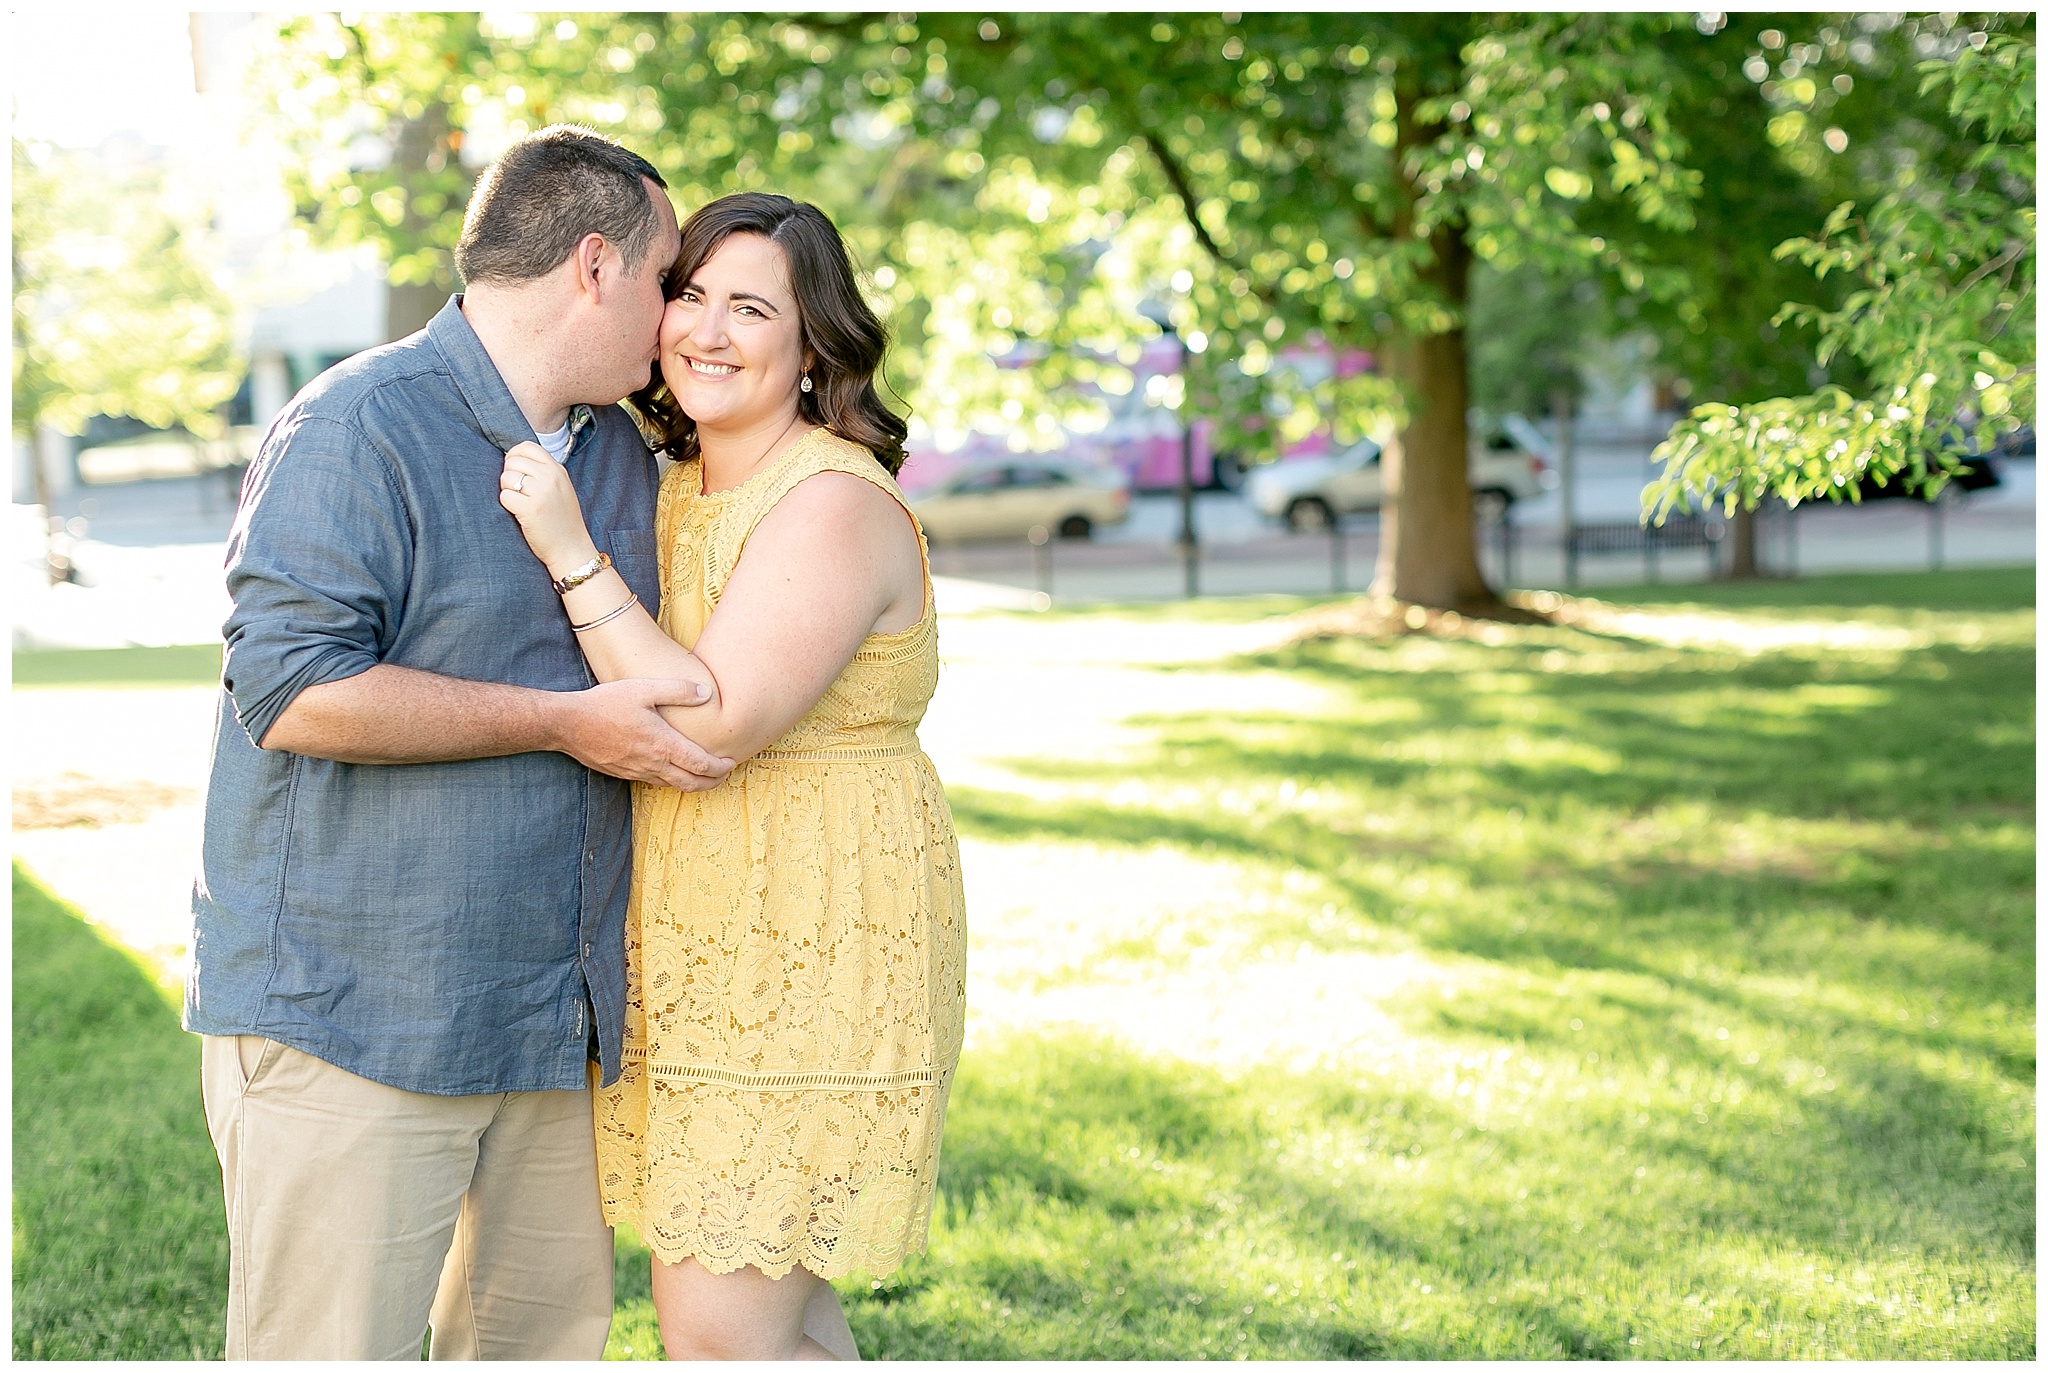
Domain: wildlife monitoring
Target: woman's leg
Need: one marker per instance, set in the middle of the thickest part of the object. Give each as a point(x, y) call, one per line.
point(739, 1315)
point(825, 1322)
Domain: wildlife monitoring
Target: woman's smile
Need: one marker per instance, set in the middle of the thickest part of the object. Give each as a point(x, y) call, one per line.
point(732, 341)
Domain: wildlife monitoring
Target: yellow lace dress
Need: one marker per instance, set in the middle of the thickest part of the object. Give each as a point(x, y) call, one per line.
point(795, 949)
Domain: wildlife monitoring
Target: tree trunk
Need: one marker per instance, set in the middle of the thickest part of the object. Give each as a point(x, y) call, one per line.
point(407, 309)
point(1429, 553)
point(29, 388)
point(1567, 484)
point(420, 149)
point(1742, 564)
point(44, 502)
point(52, 451)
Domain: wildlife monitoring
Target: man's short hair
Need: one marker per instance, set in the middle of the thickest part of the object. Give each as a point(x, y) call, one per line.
point(545, 194)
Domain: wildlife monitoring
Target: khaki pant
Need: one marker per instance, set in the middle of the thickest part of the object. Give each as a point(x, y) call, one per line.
point(358, 1214)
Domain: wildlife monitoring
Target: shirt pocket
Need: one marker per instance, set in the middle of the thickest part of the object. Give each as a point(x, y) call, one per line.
point(632, 553)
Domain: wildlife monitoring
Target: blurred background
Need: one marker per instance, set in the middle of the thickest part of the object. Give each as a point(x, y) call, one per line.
point(263, 197)
point(1487, 568)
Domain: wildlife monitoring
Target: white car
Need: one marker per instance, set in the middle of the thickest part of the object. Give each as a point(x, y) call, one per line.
point(1309, 493)
point(1007, 499)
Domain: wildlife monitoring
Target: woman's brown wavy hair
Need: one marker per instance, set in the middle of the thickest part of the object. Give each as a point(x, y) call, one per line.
point(841, 335)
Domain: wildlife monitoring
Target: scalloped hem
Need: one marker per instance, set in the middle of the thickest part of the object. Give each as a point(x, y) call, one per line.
point(864, 1260)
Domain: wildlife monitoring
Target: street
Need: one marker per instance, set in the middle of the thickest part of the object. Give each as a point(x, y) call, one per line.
point(1244, 553)
point(149, 554)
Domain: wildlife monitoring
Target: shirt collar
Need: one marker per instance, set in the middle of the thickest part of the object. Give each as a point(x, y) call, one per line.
point(574, 424)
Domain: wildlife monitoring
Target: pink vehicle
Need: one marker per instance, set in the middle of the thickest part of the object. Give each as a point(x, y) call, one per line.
point(1142, 440)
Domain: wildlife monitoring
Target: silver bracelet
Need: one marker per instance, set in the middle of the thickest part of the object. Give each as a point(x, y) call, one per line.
point(631, 601)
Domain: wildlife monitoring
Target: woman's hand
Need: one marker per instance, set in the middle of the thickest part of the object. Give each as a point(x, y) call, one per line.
point(536, 489)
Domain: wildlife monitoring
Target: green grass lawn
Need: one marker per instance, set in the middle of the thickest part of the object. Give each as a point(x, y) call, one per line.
point(1731, 1054)
point(120, 1243)
point(178, 665)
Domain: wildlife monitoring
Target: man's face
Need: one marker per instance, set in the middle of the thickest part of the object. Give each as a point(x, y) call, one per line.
point(632, 310)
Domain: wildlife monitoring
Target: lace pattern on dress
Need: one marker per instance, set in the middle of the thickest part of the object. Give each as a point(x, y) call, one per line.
point(795, 954)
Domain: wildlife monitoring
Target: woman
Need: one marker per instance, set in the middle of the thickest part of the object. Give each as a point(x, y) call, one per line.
point(796, 950)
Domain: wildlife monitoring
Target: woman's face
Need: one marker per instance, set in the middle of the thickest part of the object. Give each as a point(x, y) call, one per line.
point(731, 342)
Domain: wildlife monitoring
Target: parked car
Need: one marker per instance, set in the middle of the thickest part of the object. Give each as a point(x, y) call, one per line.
point(1006, 500)
point(1309, 493)
point(2016, 444)
point(1974, 468)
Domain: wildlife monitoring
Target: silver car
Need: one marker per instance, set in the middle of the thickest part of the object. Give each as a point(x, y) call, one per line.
point(1309, 493)
point(1007, 499)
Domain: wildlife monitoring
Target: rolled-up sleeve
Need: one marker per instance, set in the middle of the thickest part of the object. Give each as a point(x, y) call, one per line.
point(317, 567)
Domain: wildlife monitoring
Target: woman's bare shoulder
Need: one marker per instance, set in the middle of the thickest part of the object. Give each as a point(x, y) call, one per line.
point(842, 498)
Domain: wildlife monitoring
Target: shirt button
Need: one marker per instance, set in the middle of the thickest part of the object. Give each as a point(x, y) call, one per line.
point(586, 951)
point(591, 857)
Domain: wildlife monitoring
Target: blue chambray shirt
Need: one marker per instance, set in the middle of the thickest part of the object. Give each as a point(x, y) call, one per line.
point(440, 927)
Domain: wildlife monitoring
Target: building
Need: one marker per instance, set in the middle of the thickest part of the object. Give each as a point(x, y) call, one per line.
point(302, 309)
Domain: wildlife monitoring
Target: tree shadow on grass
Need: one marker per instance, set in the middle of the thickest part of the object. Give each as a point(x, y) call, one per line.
point(1103, 1205)
point(1875, 736)
point(1594, 919)
point(1488, 735)
point(1822, 1044)
point(1979, 589)
point(1098, 1204)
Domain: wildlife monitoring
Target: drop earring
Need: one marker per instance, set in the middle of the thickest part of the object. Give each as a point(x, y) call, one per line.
point(805, 385)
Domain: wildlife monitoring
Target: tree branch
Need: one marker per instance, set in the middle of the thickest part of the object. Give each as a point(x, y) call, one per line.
point(1190, 202)
point(2010, 255)
point(1177, 177)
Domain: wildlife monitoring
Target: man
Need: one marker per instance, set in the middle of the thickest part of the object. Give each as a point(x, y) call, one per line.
point(408, 941)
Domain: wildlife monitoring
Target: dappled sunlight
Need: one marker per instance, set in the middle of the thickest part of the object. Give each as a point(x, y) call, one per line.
point(1832, 1300)
point(1309, 1011)
point(1156, 905)
point(1567, 996)
point(1751, 635)
point(1491, 1202)
point(1182, 955)
point(1768, 629)
point(1024, 688)
point(1571, 995)
point(1106, 638)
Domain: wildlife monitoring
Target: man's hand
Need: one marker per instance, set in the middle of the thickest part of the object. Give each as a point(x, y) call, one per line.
point(616, 729)
point(391, 715)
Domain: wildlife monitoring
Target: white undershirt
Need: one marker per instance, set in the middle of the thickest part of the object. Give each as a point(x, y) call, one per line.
point(557, 443)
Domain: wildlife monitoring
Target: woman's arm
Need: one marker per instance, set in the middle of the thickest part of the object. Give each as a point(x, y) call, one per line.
point(633, 645)
point(834, 561)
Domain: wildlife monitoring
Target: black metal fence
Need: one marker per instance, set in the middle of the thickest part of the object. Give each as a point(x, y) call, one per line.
point(1679, 534)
